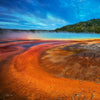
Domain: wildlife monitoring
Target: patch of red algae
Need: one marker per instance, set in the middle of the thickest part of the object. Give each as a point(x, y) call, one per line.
point(26, 80)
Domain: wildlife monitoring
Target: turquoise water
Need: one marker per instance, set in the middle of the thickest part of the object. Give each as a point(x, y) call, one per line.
point(48, 35)
point(66, 35)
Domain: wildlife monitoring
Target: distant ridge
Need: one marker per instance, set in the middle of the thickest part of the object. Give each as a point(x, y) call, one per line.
point(3, 31)
point(87, 26)
point(91, 26)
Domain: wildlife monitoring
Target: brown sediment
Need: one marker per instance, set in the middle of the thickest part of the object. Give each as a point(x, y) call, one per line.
point(25, 76)
point(77, 61)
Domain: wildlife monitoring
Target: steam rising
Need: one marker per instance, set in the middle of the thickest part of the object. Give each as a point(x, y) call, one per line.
point(9, 34)
point(17, 34)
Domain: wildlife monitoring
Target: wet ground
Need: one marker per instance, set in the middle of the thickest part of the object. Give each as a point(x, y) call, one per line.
point(50, 70)
point(79, 61)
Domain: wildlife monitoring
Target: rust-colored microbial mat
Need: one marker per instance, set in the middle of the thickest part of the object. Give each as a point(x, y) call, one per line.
point(50, 70)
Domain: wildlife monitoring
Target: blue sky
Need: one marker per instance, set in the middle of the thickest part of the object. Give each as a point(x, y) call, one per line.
point(46, 14)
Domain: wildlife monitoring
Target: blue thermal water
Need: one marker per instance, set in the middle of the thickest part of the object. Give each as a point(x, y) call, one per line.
point(66, 35)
